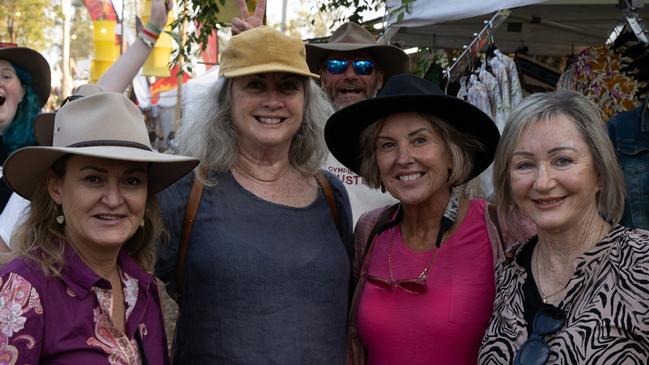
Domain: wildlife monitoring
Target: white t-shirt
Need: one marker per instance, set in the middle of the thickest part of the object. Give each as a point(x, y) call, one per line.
point(14, 214)
point(361, 197)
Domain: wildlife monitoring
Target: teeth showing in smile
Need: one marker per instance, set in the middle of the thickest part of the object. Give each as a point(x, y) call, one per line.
point(410, 177)
point(269, 120)
point(108, 217)
point(547, 202)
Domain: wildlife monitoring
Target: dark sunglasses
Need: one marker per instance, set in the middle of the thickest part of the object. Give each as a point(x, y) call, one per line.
point(361, 67)
point(413, 286)
point(535, 351)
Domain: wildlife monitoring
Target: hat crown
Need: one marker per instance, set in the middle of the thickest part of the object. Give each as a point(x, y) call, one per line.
point(266, 49)
point(405, 84)
point(104, 118)
point(352, 33)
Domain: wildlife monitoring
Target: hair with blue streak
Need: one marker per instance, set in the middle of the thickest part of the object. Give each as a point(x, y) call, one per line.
point(20, 132)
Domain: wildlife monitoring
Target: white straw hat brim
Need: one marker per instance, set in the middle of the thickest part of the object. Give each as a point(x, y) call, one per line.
point(25, 168)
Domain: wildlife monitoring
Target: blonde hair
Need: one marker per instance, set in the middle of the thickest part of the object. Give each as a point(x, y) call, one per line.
point(461, 147)
point(587, 119)
point(41, 239)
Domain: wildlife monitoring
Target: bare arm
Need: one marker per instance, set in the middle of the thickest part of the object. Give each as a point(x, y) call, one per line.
point(121, 73)
point(247, 21)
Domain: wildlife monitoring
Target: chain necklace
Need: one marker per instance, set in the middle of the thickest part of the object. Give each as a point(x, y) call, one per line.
point(544, 296)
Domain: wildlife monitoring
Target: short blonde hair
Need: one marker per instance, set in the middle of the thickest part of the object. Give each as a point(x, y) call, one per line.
point(587, 118)
point(460, 146)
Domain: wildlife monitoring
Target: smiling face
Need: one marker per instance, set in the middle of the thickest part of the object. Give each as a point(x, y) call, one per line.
point(11, 93)
point(413, 159)
point(267, 109)
point(349, 87)
point(103, 201)
point(553, 177)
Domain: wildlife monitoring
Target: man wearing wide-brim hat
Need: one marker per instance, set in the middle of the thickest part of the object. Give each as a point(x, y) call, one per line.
point(352, 65)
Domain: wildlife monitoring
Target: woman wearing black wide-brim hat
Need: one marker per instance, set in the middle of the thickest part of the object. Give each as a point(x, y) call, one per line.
point(424, 267)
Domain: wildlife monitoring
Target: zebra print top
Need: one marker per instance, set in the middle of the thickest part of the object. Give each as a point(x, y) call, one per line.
point(606, 303)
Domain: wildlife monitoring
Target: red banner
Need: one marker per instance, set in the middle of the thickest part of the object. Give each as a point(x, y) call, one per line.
point(166, 83)
point(101, 9)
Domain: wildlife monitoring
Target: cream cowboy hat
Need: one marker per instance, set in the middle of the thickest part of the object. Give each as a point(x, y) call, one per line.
point(352, 37)
point(44, 122)
point(35, 64)
point(104, 125)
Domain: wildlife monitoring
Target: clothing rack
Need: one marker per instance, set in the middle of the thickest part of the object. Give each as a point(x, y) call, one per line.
point(484, 37)
point(634, 22)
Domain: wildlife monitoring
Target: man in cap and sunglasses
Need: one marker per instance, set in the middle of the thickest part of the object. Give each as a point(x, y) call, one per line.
point(354, 67)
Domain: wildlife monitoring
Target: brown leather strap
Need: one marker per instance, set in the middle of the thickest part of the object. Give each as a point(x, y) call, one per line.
point(190, 214)
point(329, 195)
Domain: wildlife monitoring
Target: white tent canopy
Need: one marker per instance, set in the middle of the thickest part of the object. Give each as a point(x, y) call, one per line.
point(555, 27)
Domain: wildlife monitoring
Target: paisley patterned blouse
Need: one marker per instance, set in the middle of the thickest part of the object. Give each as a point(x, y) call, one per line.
point(67, 319)
point(606, 303)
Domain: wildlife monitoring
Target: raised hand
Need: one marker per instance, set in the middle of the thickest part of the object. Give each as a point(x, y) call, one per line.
point(159, 10)
point(247, 21)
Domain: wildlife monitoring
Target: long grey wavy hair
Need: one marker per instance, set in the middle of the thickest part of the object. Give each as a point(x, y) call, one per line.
point(210, 134)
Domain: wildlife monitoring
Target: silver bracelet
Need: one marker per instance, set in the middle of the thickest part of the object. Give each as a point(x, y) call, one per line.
point(146, 40)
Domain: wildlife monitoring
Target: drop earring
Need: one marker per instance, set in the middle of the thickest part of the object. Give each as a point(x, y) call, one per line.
point(60, 219)
point(142, 223)
point(382, 188)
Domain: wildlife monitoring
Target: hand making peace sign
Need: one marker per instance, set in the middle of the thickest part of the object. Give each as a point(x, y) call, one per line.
point(247, 21)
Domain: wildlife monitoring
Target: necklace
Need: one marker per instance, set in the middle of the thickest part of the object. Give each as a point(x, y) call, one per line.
point(544, 296)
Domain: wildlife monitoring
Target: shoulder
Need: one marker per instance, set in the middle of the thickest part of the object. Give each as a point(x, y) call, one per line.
point(21, 284)
point(335, 182)
point(176, 191)
point(630, 246)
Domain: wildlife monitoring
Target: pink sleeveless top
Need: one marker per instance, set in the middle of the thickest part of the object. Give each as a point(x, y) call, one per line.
point(444, 325)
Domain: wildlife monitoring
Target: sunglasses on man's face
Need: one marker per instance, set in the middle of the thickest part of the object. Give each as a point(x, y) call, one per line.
point(535, 351)
point(361, 67)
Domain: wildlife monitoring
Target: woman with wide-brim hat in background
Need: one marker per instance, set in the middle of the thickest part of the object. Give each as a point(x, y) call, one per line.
point(80, 288)
point(24, 90)
point(425, 283)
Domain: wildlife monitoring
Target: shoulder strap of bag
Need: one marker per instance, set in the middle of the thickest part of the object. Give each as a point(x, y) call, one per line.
point(331, 200)
point(383, 222)
point(190, 214)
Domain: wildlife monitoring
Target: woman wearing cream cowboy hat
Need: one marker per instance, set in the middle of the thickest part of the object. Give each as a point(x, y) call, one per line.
point(79, 291)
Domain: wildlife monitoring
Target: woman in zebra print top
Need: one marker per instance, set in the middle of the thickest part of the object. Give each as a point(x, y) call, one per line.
point(556, 165)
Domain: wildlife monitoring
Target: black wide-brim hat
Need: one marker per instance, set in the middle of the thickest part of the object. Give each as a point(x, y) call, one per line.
point(408, 93)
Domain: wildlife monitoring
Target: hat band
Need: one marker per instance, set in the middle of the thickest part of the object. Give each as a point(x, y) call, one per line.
point(111, 142)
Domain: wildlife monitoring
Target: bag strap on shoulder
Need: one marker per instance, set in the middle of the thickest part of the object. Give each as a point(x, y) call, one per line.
point(331, 200)
point(190, 214)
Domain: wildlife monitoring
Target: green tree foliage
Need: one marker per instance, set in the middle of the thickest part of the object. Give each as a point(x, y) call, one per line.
point(28, 22)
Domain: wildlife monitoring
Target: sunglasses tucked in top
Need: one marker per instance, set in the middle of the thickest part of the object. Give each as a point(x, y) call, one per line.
point(361, 67)
point(535, 351)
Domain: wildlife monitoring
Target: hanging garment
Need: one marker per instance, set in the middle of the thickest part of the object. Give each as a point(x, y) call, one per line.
point(500, 72)
point(515, 90)
point(495, 97)
point(596, 74)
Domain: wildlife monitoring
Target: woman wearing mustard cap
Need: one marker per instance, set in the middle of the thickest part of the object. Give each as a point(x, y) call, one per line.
point(265, 278)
